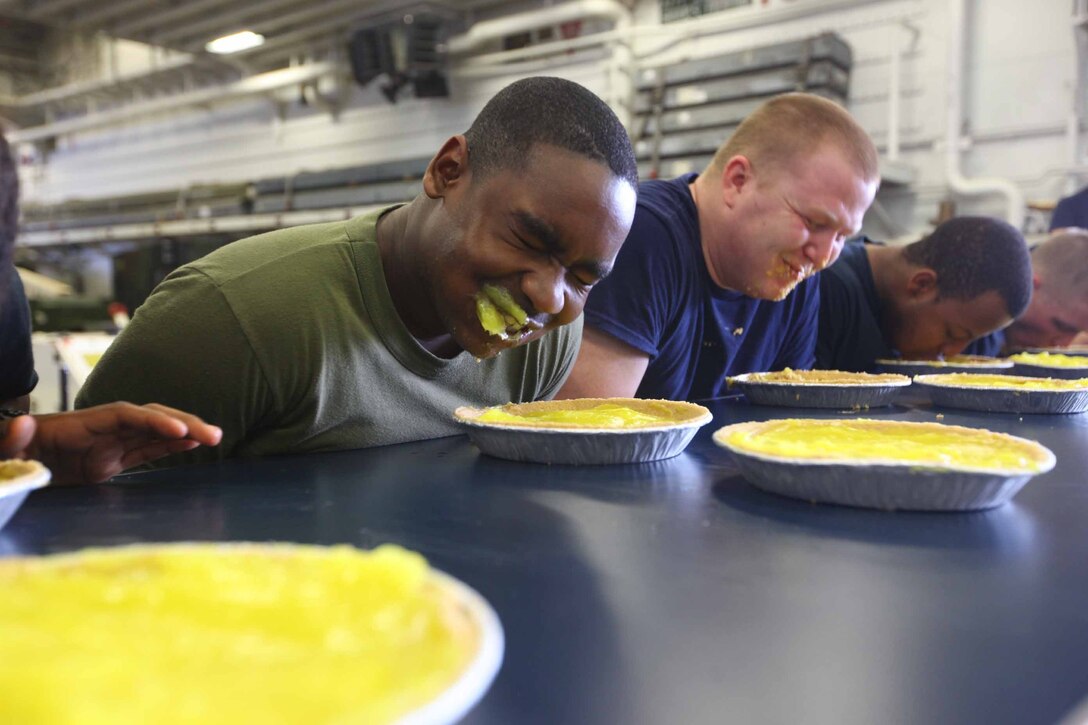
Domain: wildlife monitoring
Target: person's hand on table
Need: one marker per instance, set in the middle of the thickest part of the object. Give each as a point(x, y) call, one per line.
point(95, 444)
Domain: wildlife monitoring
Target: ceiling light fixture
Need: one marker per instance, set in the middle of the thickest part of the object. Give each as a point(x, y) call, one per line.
point(235, 42)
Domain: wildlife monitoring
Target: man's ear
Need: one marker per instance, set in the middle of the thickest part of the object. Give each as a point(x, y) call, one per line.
point(1036, 283)
point(736, 174)
point(448, 168)
point(922, 285)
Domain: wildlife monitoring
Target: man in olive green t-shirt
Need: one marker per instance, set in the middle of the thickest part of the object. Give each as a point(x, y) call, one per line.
point(366, 332)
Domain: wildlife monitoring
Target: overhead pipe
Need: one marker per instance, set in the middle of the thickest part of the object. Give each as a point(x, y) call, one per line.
point(488, 30)
point(252, 86)
point(959, 183)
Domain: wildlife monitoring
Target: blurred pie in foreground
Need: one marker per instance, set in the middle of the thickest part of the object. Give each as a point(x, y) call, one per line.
point(14, 470)
point(228, 634)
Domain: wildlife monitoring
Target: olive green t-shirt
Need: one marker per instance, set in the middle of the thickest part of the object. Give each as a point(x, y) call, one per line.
point(290, 342)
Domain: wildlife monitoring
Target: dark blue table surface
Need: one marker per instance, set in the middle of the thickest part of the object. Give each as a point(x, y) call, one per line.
point(674, 592)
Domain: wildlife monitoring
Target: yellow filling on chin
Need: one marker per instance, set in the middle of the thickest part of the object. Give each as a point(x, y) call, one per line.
point(606, 415)
point(862, 440)
point(1051, 359)
point(977, 380)
point(207, 634)
point(498, 313)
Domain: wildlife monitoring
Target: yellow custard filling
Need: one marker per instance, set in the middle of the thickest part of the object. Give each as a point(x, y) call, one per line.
point(201, 633)
point(605, 415)
point(1006, 382)
point(819, 377)
point(956, 360)
point(858, 441)
point(1051, 359)
point(498, 313)
point(14, 468)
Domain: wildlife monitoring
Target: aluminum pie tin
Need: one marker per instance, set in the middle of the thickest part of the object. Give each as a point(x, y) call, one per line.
point(884, 484)
point(843, 396)
point(583, 445)
point(949, 391)
point(13, 491)
point(994, 366)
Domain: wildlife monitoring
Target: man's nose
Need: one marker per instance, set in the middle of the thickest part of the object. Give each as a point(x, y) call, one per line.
point(823, 248)
point(546, 288)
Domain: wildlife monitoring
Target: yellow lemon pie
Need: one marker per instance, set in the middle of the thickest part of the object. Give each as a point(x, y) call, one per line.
point(584, 430)
point(884, 463)
point(202, 633)
point(1006, 393)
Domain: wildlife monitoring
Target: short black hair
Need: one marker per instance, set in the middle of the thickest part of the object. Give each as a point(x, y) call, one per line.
point(9, 212)
point(552, 111)
point(973, 255)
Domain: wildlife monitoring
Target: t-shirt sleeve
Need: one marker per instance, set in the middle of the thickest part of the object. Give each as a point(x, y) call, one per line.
point(798, 349)
point(634, 303)
point(185, 349)
point(16, 355)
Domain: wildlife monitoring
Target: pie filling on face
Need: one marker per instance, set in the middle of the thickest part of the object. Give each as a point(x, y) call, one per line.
point(881, 442)
point(1050, 359)
point(498, 313)
point(227, 634)
point(817, 377)
point(619, 413)
point(1006, 382)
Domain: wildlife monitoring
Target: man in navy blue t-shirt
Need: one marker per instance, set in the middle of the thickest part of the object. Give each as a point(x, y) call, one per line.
point(969, 277)
point(701, 288)
point(1072, 211)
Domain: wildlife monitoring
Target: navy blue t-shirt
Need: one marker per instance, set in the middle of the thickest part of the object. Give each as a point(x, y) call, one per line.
point(989, 345)
point(661, 300)
point(1072, 211)
point(850, 336)
point(17, 376)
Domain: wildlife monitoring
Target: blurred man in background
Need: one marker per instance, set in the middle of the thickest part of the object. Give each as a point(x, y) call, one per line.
point(90, 445)
point(1058, 312)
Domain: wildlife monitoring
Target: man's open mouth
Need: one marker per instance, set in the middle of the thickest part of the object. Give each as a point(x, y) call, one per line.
point(501, 316)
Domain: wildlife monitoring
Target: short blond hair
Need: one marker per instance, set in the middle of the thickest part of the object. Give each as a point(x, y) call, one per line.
point(795, 125)
point(1061, 263)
